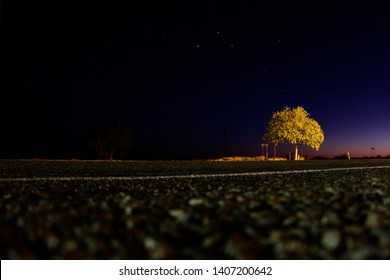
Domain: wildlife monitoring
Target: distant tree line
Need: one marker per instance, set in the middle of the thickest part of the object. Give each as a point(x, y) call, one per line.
point(344, 156)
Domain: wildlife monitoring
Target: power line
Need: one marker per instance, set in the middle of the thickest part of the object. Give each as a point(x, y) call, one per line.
point(263, 88)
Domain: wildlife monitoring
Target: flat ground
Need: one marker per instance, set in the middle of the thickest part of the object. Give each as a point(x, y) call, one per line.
point(195, 210)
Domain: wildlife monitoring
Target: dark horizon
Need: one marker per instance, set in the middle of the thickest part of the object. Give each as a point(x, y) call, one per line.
point(183, 77)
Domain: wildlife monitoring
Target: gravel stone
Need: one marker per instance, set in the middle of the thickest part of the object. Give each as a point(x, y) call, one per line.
point(331, 239)
point(342, 214)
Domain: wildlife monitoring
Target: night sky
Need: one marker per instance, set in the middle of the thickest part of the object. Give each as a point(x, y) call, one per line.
point(180, 74)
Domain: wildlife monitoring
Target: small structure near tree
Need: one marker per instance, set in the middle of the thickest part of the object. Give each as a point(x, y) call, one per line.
point(264, 150)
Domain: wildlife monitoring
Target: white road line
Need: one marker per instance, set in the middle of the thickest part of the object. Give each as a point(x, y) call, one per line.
point(188, 176)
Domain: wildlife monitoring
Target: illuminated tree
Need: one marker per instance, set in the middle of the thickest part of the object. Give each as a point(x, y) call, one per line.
point(294, 125)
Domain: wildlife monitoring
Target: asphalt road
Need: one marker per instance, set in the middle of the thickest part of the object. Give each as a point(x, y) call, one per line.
point(334, 209)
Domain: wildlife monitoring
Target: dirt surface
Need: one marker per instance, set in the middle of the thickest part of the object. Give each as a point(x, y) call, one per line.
point(337, 214)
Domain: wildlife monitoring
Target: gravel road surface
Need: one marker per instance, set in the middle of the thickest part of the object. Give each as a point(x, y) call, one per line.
point(339, 209)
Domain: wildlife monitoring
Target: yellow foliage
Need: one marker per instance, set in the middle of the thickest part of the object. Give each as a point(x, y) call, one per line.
point(294, 125)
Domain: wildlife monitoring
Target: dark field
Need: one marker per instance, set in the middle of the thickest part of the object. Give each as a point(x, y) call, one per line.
point(121, 212)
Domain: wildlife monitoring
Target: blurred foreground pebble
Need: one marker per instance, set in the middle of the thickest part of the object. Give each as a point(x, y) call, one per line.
point(337, 215)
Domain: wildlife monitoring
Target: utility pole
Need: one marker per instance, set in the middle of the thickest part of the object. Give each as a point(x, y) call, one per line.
point(177, 148)
point(225, 138)
point(373, 149)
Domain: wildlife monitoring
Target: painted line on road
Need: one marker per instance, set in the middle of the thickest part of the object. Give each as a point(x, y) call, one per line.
point(187, 176)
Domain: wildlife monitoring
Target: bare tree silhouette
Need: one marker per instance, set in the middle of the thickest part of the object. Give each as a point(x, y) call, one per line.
point(112, 142)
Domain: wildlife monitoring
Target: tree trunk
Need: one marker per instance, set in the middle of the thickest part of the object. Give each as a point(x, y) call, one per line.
point(296, 152)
